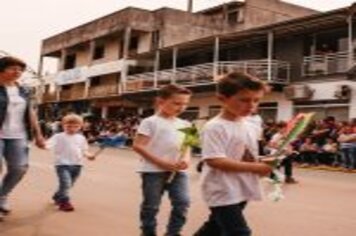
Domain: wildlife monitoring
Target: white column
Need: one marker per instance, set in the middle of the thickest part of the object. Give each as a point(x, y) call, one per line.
point(352, 108)
point(91, 51)
point(350, 42)
point(174, 64)
point(104, 112)
point(156, 69)
point(270, 55)
point(216, 58)
point(124, 70)
point(63, 58)
point(41, 87)
point(40, 66)
point(87, 87)
point(285, 109)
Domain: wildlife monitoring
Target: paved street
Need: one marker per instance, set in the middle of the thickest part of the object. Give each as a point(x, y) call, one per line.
point(107, 198)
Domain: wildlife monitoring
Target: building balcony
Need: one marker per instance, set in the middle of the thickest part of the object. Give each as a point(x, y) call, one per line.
point(270, 71)
point(77, 92)
point(326, 64)
point(103, 91)
point(49, 97)
point(82, 73)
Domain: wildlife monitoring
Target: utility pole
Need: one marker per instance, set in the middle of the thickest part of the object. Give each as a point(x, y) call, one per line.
point(190, 6)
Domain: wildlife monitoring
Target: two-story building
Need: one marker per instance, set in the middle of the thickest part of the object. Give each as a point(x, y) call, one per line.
point(117, 62)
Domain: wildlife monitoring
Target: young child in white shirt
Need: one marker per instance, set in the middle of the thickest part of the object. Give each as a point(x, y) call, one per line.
point(69, 148)
point(158, 141)
point(232, 170)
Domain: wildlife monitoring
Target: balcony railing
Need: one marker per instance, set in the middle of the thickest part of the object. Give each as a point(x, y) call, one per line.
point(326, 64)
point(72, 94)
point(271, 71)
point(103, 91)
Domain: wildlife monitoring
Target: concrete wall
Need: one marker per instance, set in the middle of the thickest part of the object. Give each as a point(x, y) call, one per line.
point(144, 43)
point(264, 12)
point(82, 56)
point(112, 49)
point(138, 19)
point(179, 26)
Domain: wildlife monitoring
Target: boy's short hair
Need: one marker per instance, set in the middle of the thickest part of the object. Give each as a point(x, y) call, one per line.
point(169, 90)
point(72, 119)
point(281, 124)
point(232, 83)
point(8, 61)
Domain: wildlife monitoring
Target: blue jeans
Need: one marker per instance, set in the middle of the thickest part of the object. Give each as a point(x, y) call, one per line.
point(225, 221)
point(348, 156)
point(67, 175)
point(153, 187)
point(15, 154)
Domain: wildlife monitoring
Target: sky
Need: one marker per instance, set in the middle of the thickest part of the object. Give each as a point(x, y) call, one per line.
point(24, 24)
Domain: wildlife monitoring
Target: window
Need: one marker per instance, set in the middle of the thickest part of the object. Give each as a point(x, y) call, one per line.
point(155, 39)
point(214, 110)
point(95, 81)
point(133, 44)
point(66, 87)
point(70, 61)
point(191, 113)
point(233, 17)
point(99, 52)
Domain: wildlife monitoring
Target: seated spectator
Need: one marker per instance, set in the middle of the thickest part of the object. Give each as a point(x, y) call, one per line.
point(309, 152)
point(329, 151)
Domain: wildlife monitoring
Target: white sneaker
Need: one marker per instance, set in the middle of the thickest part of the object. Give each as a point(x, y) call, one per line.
point(4, 207)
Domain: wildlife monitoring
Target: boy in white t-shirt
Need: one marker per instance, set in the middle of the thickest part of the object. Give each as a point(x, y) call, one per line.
point(229, 149)
point(69, 147)
point(158, 142)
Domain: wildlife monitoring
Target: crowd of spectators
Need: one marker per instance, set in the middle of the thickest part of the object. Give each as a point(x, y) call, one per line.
point(118, 132)
point(326, 142)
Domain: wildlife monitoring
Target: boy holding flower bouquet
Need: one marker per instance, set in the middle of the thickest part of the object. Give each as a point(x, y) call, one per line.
point(229, 149)
point(159, 143)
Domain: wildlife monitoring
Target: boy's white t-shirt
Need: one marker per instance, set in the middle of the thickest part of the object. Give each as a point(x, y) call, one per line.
point(14, 125)
point(222, 138)
point(165, 139)
point(68, 149)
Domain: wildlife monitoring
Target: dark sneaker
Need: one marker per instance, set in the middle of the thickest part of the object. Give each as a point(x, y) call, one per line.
point(291, 180)
point(148, 234)
point(66, 206)
point(5, 210)
point(2, 216)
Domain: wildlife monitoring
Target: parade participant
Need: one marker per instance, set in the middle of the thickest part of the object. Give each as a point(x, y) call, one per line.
point(231, 177)
point(69, 147)
point(158, 142)
point(18, 125)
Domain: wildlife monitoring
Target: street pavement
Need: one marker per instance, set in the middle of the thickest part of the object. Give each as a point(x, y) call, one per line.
point(107, 198)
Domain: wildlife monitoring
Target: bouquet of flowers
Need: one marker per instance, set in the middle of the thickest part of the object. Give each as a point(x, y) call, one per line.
point(191, 139)
point(294, 128)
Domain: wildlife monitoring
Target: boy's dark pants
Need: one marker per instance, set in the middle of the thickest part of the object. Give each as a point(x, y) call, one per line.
point(225, 221)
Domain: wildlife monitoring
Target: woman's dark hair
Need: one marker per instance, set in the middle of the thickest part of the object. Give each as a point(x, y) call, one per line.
point(8, 61)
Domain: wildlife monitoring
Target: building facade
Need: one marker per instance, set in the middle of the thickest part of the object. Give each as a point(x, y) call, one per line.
point(117, 62)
